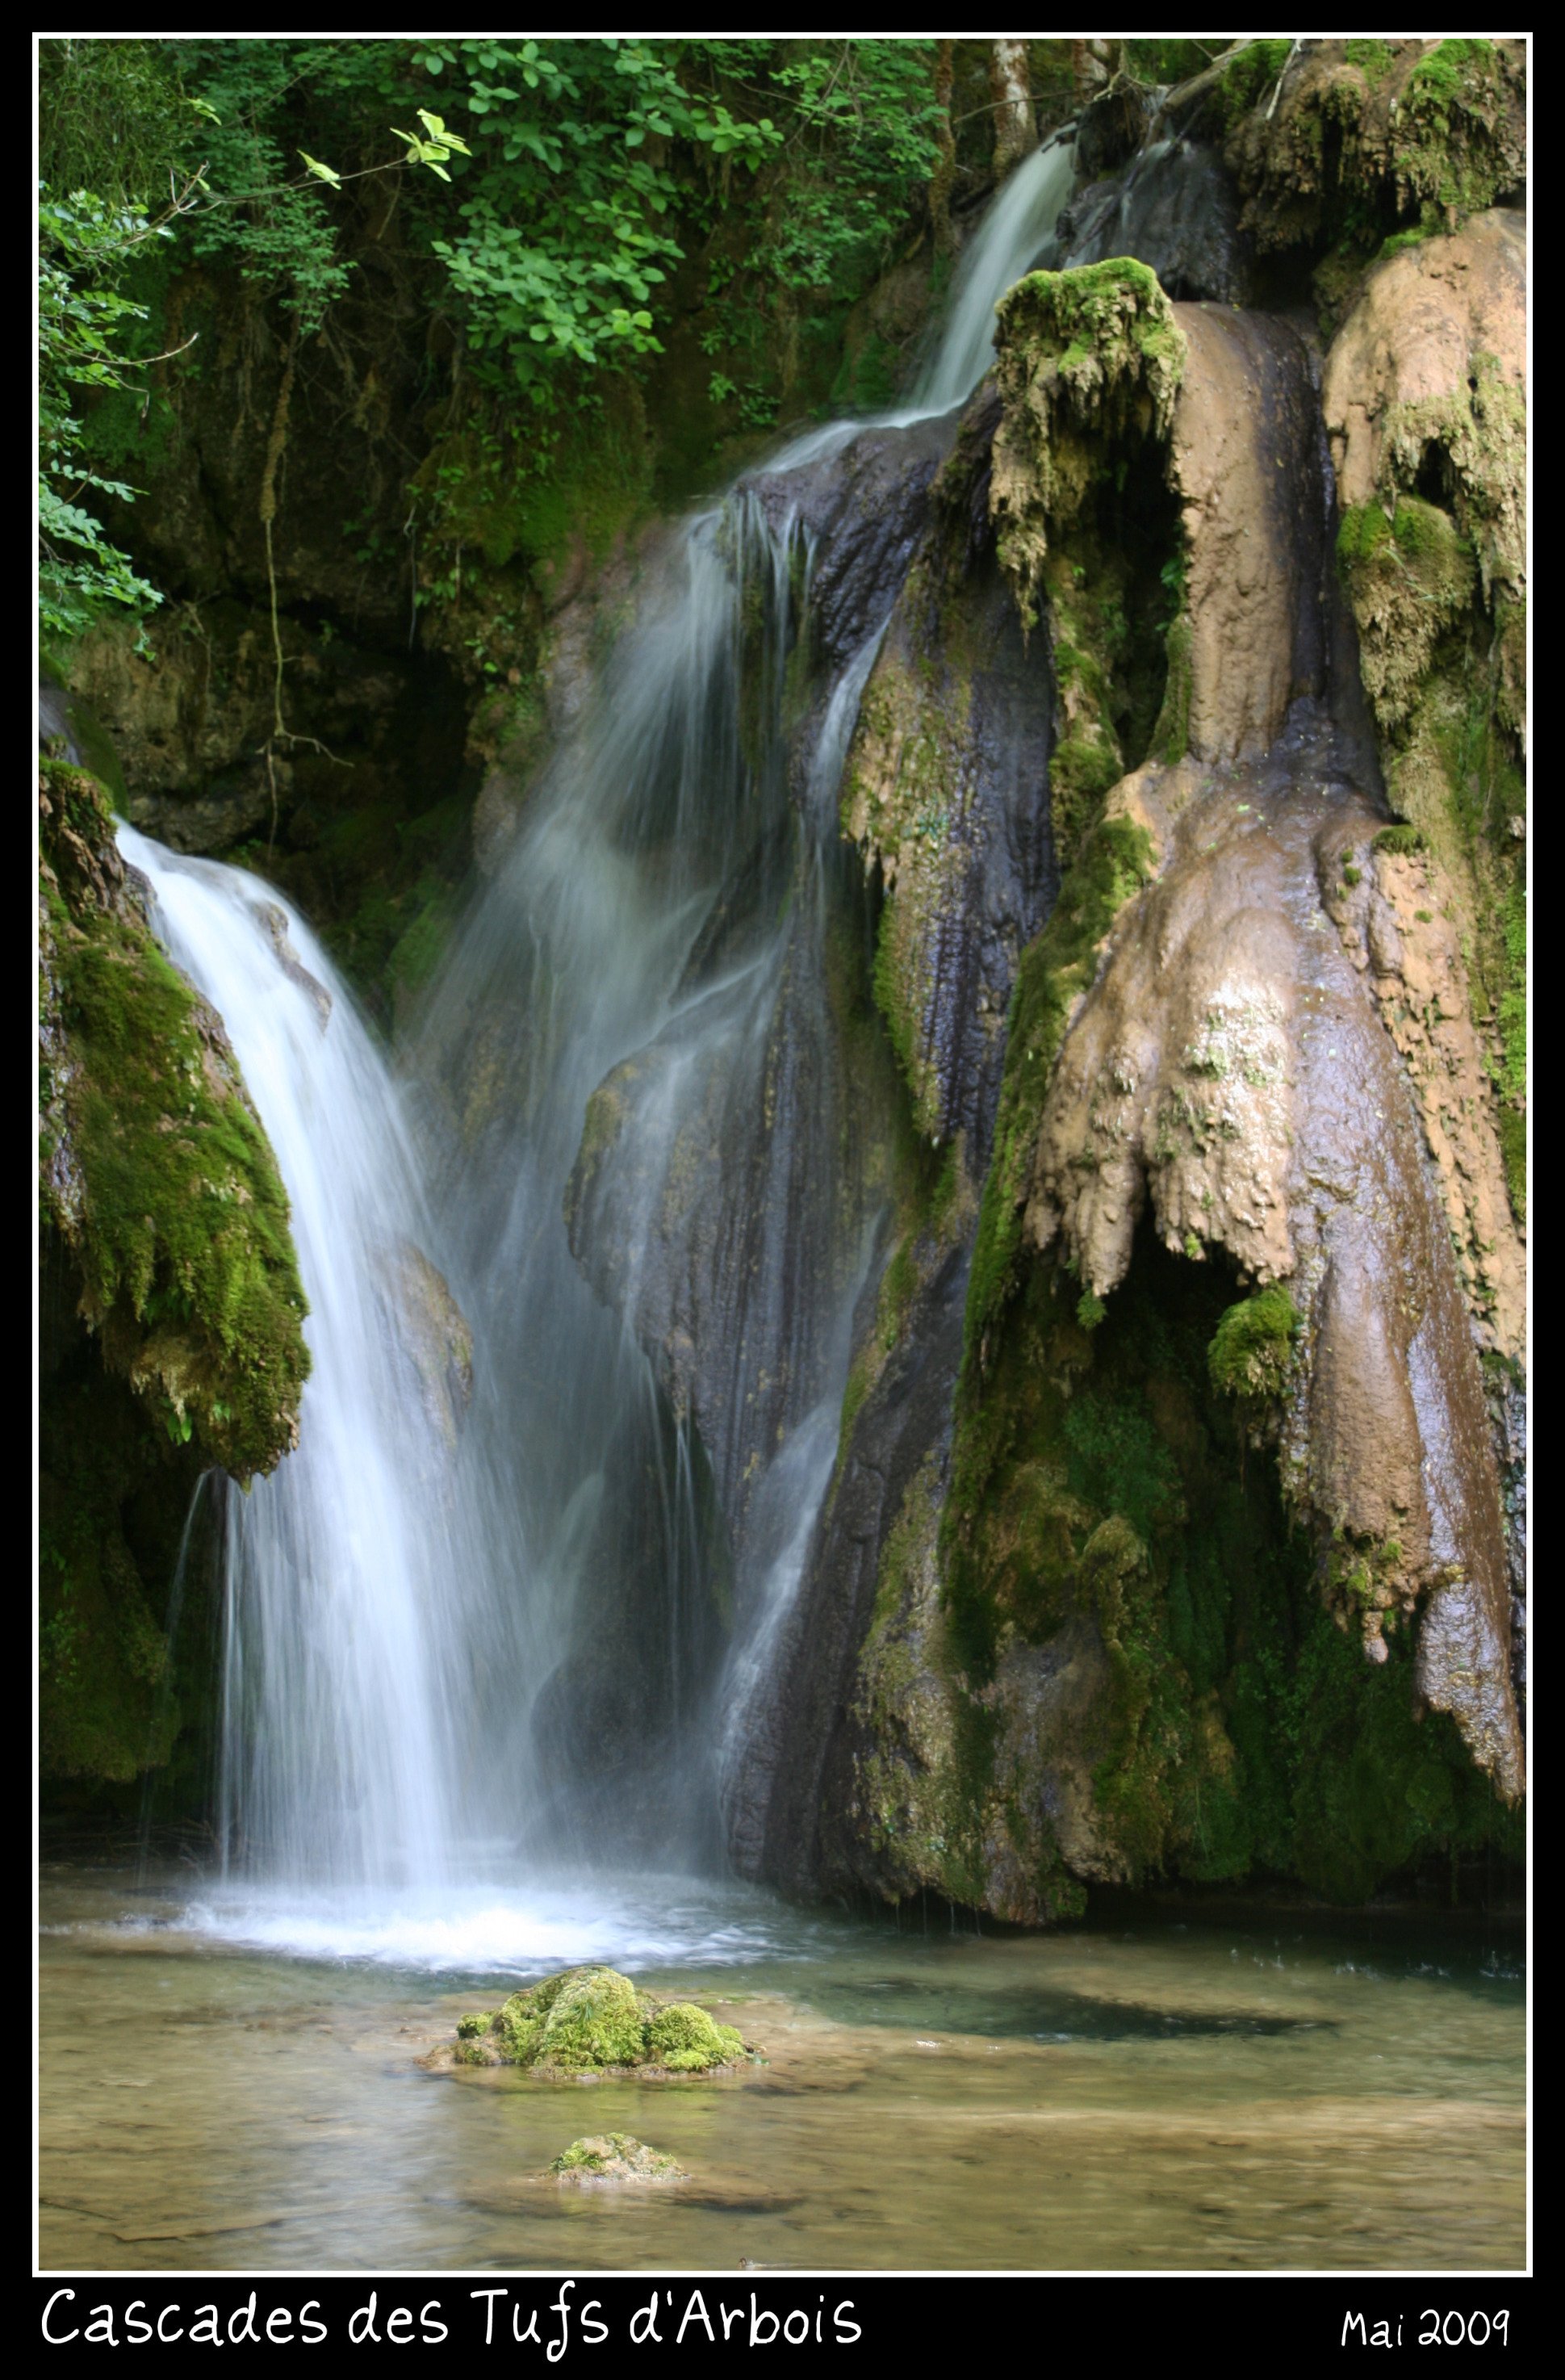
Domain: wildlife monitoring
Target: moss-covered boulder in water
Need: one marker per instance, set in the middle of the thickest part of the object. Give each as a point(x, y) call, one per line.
point(614, 2157)
point(685, 2039)
point(593, 2021)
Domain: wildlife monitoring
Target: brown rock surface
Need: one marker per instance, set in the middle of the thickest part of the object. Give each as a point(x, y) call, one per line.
point(1403, 366)
point(1233, 1071)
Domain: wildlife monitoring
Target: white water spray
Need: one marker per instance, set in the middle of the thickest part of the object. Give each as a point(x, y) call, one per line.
point(345, 1566)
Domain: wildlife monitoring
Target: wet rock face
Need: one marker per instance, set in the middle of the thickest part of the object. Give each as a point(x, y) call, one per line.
point(276, 925)
point(1176, 210)
point(788, 1797)
point(1244, 460)
point(1232, 1074)
point(946, 789)
point(865, 507)
point(706, 1205)
point(1110, 129)
point(944, 792)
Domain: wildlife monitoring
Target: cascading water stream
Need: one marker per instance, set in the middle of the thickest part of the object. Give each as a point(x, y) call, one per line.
point(342, 1569)
point(653, 956)
point(438, 1657)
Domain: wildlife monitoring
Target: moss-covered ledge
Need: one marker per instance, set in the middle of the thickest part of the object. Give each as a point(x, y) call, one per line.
point(154, 1172)
point(1085, 360)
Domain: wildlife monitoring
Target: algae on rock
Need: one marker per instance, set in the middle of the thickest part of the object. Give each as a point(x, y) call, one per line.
point(603, 2158)
point(154, 1170)
point(593, 2021)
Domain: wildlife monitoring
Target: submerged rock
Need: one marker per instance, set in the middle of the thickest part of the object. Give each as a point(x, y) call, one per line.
point(431, 1337)
point(608, 2157)
point(593, 2021)
point(276, 924)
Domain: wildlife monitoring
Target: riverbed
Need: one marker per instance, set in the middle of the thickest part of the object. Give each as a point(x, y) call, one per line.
point(231, 2081)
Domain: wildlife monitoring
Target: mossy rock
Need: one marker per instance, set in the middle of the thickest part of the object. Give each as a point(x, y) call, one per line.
point(1252, 1349)
point(687, 2040)
point(155, 1170)
point(593, 2021)
point(614, 2157)
point(1089, 363)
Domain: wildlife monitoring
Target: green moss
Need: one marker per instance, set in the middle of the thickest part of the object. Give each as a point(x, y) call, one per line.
point(154, 1168)
point(1089, 363)
point(1373, 59)
point(589, 2020)
point(1400, 842)
point(925, 1776)
point(1248, 79)
point(1451, 155)
point(1252, 1349)
point(616, 2157)
point(1378, 1784)
point(1228, 1735)
point(1090, 1310)
point(593, 2020)
point(683, 2038)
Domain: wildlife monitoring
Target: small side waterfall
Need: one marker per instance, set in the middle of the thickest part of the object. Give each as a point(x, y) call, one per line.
point(347, 1569)
point(1005, 245)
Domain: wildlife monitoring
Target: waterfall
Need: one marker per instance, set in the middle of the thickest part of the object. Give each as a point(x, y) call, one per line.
point(346, 1568)
point(638, 1025)
point(1004, 247)
point(514, 1647)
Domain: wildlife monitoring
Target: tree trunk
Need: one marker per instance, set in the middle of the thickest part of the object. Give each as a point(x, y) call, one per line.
point(1016, 131)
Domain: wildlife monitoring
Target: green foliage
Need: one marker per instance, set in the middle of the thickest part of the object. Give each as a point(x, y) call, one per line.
point(862, 140)
point(275, 226)
point(114, 118)
point(83, 319)
point(565, 234)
